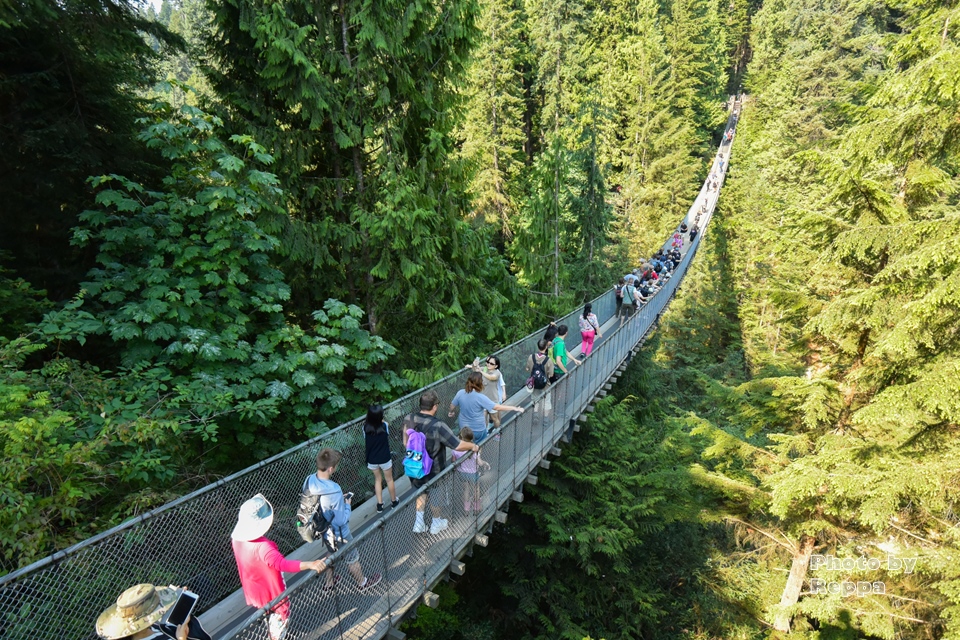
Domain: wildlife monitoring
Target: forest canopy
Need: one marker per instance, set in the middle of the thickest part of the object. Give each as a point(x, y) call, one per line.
point(230, 225)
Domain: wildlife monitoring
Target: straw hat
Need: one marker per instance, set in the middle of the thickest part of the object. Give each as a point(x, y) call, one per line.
point(135, 610)
point(254, 520)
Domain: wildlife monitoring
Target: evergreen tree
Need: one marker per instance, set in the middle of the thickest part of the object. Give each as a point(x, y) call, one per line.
point(695, 42)
point(493, 127)
point(358, 107)
point(645, 143)
point(537, 249)
point(69, 73)
point(592, 213)
point(846, 435)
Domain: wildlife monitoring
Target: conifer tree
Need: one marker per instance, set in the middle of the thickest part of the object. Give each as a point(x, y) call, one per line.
point(849, 440)
point(358, 104)
point(69, 76)
point(493, 128)
point(645, 142)
point(543, 224)
point(695, 42)
point(557, 35)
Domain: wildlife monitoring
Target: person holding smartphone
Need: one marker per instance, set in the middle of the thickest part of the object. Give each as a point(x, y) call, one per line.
point(336, 507)
point(140, 613)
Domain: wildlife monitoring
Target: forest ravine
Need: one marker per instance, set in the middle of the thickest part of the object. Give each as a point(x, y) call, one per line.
point(222, 218)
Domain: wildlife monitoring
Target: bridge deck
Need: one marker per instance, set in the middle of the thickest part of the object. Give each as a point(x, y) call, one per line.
point(186, 542)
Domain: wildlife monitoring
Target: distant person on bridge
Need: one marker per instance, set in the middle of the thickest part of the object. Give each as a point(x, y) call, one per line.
point(541, 369)
point(260, 563)
point(138, 612)
point(376, 434)
point(540, 360)
point(560, 355)
point(631, 300)
point(473, 405)
point(493, 385)
point(618, 295)
point(439, 438)
point(549, 335)
point(589, 329)
point(333, 500)
point(470, 471)
point(693, 232)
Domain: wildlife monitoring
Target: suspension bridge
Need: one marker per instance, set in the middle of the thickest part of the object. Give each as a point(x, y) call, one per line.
point(187, 542)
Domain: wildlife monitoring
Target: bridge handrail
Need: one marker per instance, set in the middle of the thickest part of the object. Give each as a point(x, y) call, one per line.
point(410, 563)
point(85, 578)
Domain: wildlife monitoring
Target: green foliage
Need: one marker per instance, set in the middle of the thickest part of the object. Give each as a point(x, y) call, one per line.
point(362, 106)
point(83, 449)
point(20, 303)
point(188, 19)
point(843, 239)
point(186, 283)
point(493, 125)
point(69, 71)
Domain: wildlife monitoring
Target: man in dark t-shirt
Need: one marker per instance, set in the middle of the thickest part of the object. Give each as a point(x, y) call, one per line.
point(439, 439)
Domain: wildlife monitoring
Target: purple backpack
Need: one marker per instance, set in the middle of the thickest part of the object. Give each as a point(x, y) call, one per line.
point(418, 462)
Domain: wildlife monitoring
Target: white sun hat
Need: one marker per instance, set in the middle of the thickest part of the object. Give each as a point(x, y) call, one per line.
point(254, 520)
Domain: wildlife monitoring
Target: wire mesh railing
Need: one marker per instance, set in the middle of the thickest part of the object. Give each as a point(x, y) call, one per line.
point(410, 562)
point(187, 542)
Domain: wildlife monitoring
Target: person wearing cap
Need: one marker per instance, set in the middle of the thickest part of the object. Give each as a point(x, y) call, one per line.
point(137, 615)
point(260, 563)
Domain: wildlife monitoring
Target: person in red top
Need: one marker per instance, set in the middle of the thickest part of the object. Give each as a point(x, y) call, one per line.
point(260, 563)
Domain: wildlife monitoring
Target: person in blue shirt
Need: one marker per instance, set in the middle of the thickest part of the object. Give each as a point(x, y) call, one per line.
point(334, 503)
point(473, 403)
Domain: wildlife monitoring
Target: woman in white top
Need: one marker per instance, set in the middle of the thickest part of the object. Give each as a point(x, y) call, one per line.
point(493, 385)
point(589, 329)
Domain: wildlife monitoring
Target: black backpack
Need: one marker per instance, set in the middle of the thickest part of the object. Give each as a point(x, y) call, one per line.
point(538, 375)
point(311, 523)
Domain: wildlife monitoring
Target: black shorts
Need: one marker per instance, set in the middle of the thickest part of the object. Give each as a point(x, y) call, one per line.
point(419, 482)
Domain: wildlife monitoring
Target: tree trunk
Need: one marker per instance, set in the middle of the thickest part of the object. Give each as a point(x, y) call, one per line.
point(791, 592)
point(358, 172)
point(556, 230)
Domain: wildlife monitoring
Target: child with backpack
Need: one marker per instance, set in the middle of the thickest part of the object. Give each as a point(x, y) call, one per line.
point(470, 469)
point(376, 434)
point(426, 440)
point(540, 367)
point(335, 507)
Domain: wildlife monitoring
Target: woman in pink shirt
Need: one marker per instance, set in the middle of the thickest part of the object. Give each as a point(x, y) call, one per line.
point(260, 562)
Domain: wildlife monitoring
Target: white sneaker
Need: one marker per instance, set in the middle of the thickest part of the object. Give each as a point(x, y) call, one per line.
point(437, 526)
point(419, 526)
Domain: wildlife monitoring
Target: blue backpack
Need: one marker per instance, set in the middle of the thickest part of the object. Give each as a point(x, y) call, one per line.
point(418, 462)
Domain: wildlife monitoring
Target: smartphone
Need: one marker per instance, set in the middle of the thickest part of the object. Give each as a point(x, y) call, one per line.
point(181, 609)
point(348, 496)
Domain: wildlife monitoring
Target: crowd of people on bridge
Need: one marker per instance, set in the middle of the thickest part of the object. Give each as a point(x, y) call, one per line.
point(430, 444)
